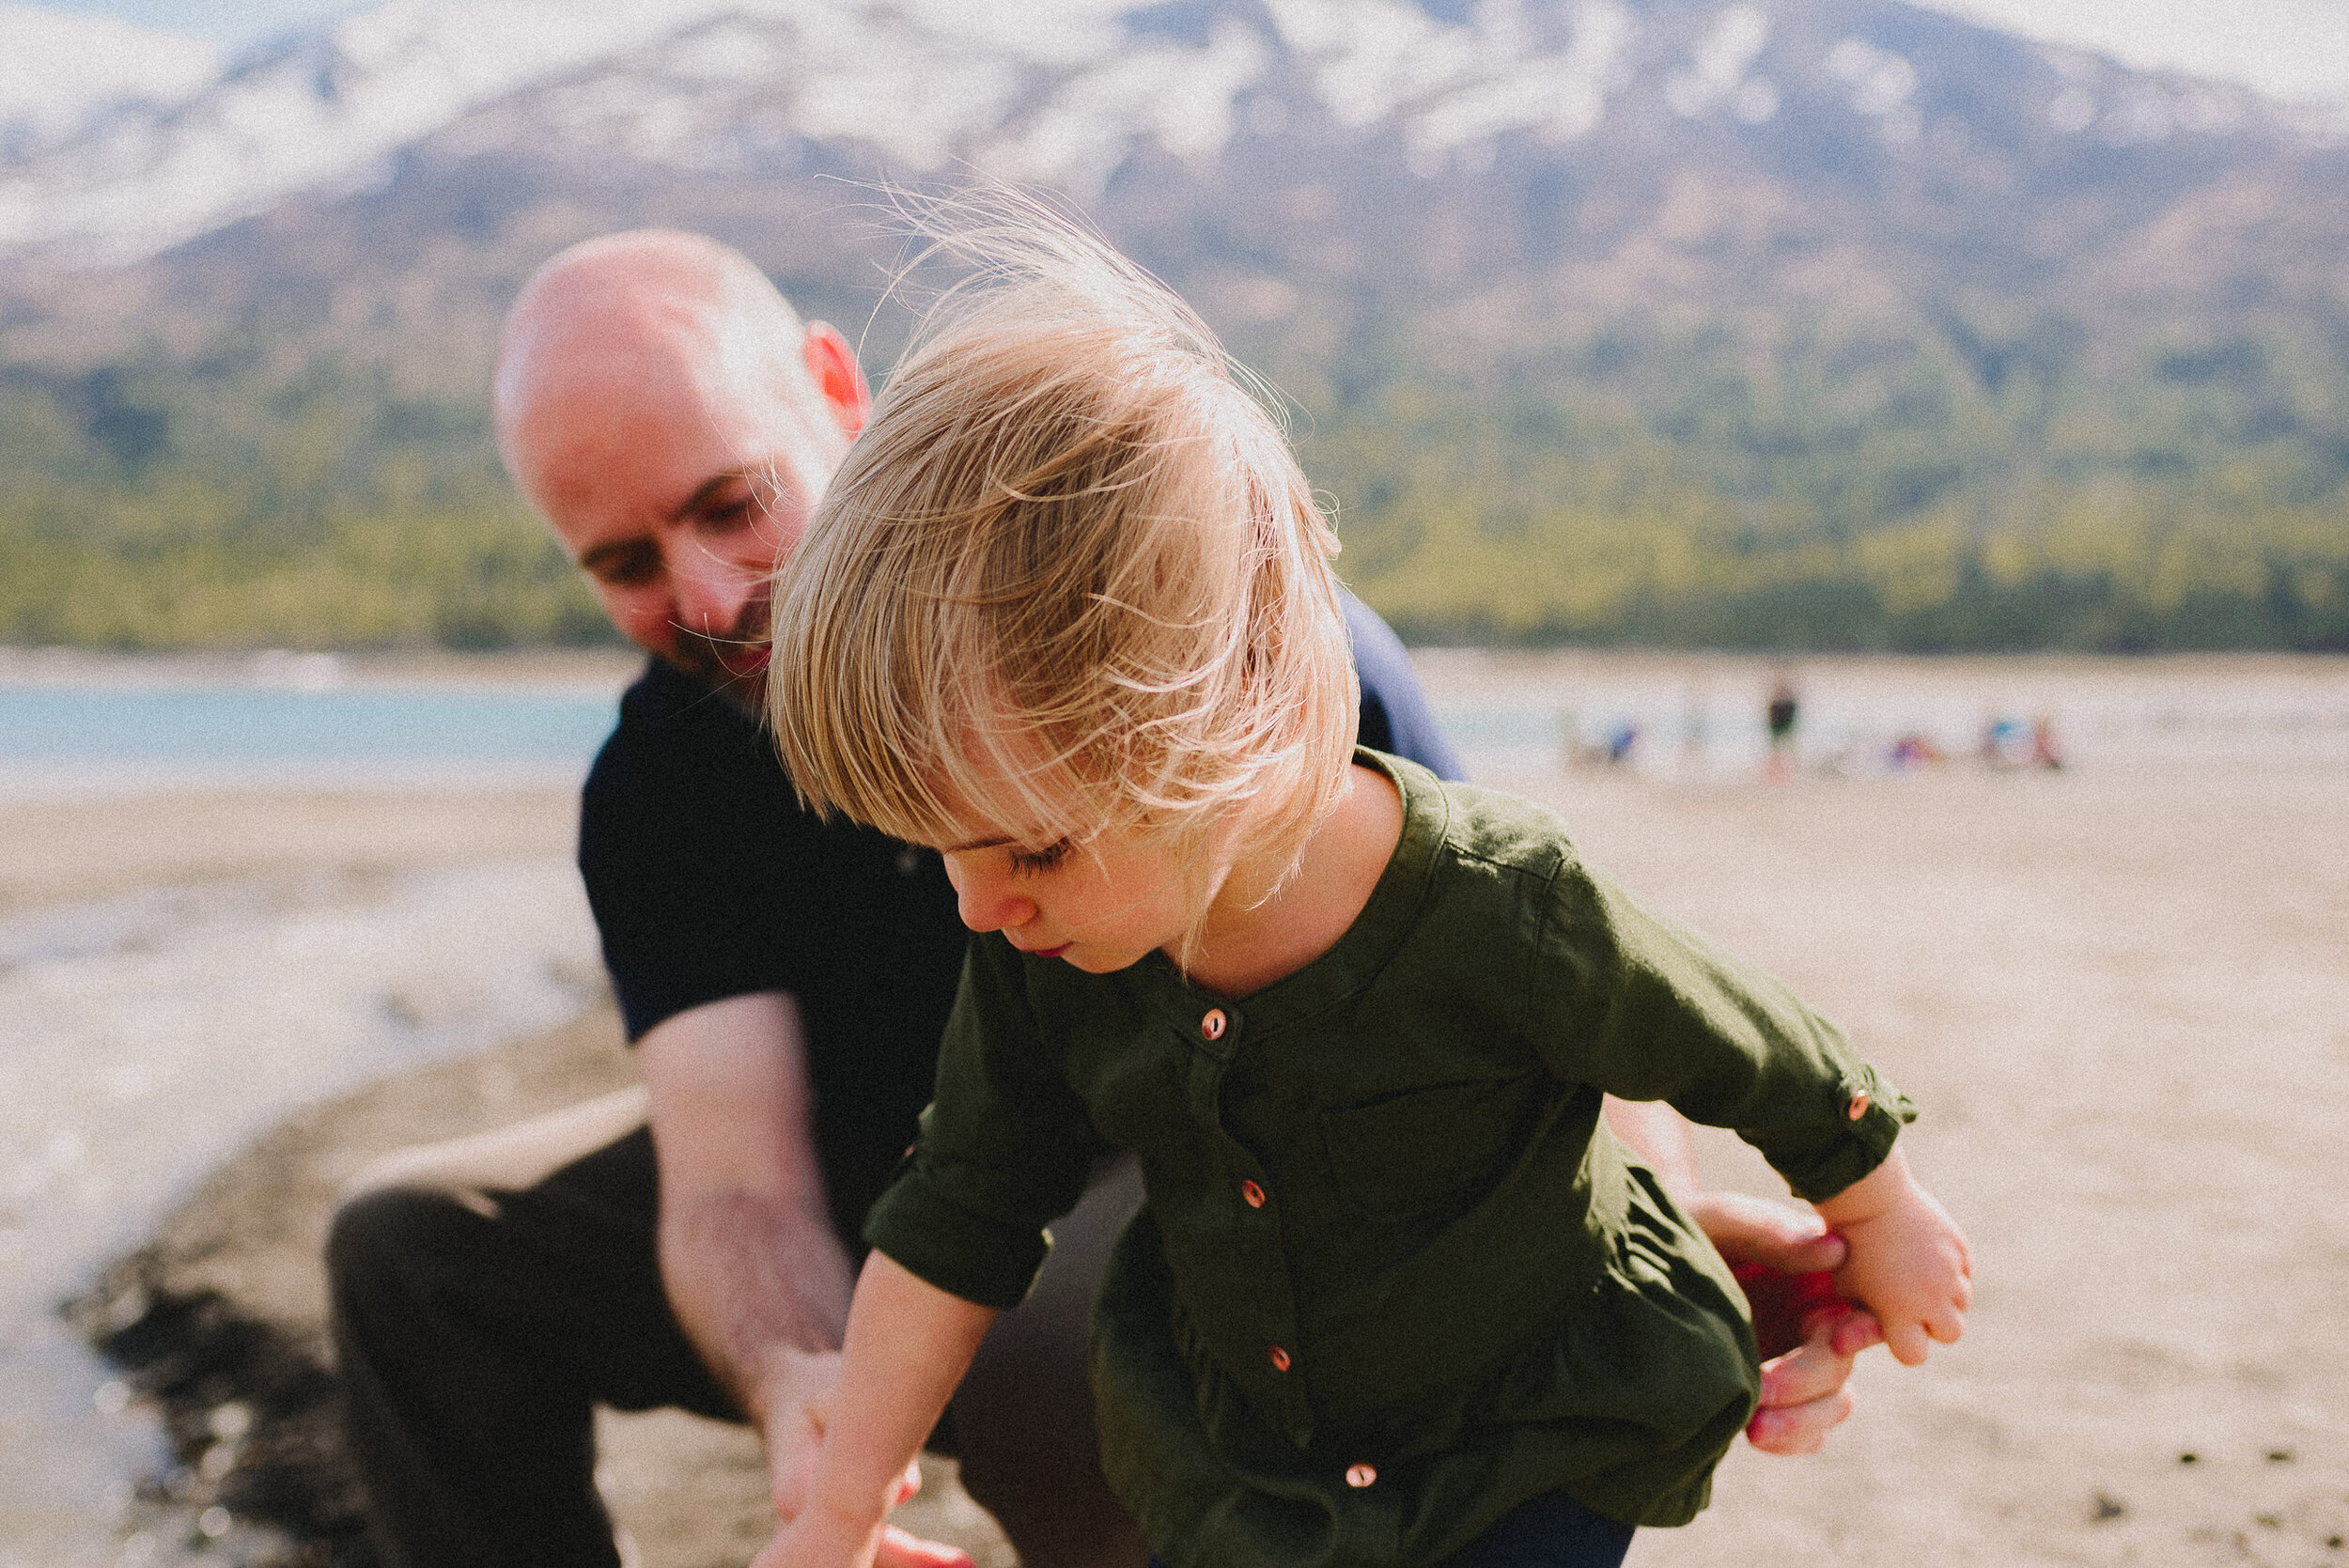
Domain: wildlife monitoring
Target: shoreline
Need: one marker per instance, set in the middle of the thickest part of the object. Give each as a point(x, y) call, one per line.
point(1446, 669)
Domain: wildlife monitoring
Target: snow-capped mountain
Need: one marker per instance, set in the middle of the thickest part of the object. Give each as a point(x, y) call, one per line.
point(58, 71)
point(1785, 289)
point(1068, 94)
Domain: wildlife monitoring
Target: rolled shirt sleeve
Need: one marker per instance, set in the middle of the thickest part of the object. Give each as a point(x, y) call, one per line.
point(1005, 1146)
point(1648, 1009)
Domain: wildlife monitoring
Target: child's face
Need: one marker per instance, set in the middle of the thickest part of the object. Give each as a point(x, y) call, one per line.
point(1100, 907)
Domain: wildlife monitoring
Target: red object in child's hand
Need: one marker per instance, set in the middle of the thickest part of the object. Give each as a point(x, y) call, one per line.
point(1786, 1306)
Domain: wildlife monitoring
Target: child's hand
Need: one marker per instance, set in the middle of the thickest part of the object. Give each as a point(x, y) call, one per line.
point(799, 1398)
point(1909, 1261)
point(820, 1538)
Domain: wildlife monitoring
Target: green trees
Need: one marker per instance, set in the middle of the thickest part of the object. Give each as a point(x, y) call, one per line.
point(1830, 485)
point(209, 504)
point(1954, 477)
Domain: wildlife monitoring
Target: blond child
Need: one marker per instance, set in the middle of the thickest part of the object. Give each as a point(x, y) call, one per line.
point(1396, 1296)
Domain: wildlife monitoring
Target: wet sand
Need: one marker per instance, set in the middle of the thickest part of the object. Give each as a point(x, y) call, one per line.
point(216, 1327)
point(2120, 992)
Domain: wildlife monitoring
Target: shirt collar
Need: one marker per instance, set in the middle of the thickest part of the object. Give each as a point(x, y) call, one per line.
point(1358, 957)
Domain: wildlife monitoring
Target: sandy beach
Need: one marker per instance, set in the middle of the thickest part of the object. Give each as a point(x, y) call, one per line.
point(2120, 992)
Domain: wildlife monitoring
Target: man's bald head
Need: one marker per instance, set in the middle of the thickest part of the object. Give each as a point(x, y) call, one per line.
point(673, 419)
point(630, 317)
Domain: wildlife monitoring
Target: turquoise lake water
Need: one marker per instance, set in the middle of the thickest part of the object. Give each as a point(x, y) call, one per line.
point(232, 723)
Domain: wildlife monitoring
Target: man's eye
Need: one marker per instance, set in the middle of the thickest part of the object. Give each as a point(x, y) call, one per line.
point(1039, 859)
point(725, 516)
point(626, 571)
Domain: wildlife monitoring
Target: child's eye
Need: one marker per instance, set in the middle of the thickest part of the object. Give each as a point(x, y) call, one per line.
point(1039, 859)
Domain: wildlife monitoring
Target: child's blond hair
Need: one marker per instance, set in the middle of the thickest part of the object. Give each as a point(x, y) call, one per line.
point(1069, 578)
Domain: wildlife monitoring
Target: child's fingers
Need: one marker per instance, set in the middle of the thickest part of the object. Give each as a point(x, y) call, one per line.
point(1946, 1327)
point(1907, 1341)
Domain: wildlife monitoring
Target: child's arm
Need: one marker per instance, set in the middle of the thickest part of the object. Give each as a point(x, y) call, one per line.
point(907, 1345)
point(1909, 1260)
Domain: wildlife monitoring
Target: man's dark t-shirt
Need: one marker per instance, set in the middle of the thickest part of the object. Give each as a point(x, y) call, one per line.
point(709, 881)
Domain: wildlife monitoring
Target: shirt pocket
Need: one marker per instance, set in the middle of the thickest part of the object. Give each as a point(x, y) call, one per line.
point(1431, 1150)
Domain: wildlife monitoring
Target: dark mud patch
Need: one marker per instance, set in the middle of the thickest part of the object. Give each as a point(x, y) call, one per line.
point(249, 1409)
point(217, 1326)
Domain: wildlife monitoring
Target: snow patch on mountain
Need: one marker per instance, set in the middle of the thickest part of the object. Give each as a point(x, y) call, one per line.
point(58, 69)
point(1058, 92)
point(318, 110)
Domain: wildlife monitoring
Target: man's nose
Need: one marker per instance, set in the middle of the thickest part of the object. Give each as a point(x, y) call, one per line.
point(712, 594)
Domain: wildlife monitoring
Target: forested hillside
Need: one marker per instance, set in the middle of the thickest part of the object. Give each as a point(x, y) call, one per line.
point(1840, 324)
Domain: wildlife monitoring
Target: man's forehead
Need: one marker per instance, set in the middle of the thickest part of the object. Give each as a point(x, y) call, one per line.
point(652, 443)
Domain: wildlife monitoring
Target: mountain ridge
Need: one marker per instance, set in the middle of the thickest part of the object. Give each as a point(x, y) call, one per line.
point(1601, 319)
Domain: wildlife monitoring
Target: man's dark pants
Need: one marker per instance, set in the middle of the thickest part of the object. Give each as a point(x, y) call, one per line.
point(476, 1333)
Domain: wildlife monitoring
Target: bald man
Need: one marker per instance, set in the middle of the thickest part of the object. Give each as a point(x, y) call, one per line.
point(784, 983)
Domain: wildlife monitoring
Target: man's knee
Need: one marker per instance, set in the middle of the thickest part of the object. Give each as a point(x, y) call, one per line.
point(518, 1154)
point(387, 1245)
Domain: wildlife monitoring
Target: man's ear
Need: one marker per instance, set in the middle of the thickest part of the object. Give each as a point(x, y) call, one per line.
point(838, 376)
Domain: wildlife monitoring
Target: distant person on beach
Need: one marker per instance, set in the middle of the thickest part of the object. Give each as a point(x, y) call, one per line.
point(1395, 1298)
point(2045, 750)
point(1913, 751)
point(1782, 713)
point(785, 982)
point(2001, 743)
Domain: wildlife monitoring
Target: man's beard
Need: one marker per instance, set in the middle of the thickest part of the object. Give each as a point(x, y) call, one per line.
point(704, 656)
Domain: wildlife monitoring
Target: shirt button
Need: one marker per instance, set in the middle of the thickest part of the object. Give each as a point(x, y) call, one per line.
point(1359, 1476)
point(1253, 1193)
point(1279, 1359)
point(1858, 1106)
point(1212, 1027)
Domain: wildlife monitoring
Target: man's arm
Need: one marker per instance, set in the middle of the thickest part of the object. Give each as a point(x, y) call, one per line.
point(1803, 1396)
point(756, 1276)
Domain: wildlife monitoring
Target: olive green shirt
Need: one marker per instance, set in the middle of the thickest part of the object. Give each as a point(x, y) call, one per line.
point(1393, 1276)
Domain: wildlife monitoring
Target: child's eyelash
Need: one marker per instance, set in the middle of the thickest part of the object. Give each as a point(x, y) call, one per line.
point(1039, 859)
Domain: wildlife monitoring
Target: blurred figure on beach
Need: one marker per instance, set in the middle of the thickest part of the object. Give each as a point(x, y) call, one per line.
point(2003, 744)
point(2006, 745)
point(1695, 727)
point(2045, 750)
point(1613, 747)
point(1782, 714)
point(1913, 751)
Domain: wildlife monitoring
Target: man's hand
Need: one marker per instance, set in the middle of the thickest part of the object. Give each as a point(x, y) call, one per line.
point(1803, 1391)
point(798, 1408)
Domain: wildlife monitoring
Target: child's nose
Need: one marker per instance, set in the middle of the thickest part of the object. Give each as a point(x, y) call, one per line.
point(984, 902)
